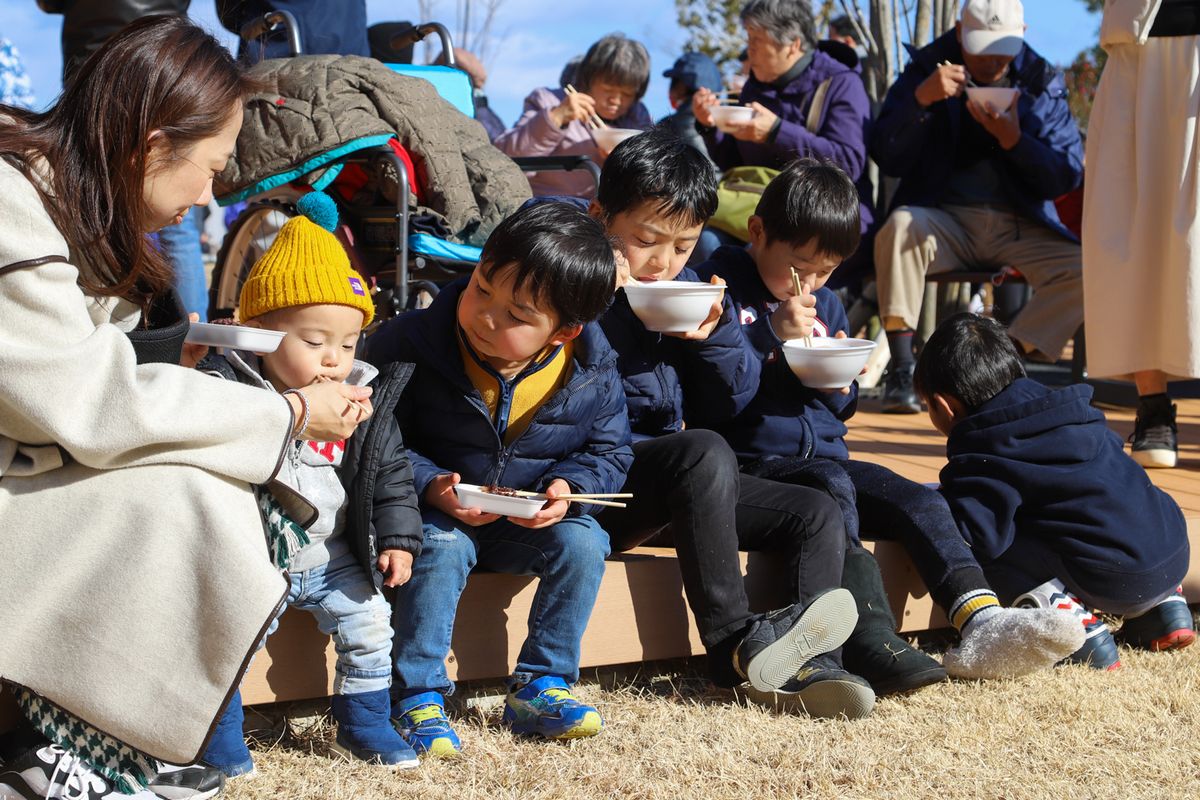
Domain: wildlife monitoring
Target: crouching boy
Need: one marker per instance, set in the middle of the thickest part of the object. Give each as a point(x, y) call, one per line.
point(516, 386)
point(1055, 510)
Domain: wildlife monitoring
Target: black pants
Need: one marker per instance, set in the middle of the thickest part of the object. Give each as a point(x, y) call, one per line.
point(880, 504)
point(690, 495)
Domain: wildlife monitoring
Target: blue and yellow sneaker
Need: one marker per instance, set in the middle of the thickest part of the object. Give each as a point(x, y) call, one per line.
point(1166, 626)
point(545, 707)
point(421, 720)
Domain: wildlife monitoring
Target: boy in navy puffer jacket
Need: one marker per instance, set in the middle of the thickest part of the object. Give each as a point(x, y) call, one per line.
point(1043, 491)
point(806, 222)
point(514, 385)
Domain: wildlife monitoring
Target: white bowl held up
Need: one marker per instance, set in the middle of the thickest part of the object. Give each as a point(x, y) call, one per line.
point(829, 363)
point(472, 496)
point(608, 138)
point(725, 117)
point(238, 337)
point(672, 306)
point(997, 98)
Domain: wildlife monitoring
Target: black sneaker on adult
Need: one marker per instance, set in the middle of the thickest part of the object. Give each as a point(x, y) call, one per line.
point(778, 644)
point(820, 689)
point(51, 773)
point(195, 782)
point(1154, 433)
point(899, 396)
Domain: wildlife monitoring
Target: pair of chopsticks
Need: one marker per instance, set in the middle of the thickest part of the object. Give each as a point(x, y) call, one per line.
point(798, 287)
point(970, 81)
point(596, 499)
point(594, 121)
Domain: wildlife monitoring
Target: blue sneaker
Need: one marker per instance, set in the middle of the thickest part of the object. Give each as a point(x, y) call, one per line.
point(1099, 650)
point(421, 720)
point(547, 708)
point(365, 731)
point(1166, 626)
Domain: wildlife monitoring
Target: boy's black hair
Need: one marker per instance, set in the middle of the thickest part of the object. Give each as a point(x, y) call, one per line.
point(657, 166)
point(969, 358)
point(810, 200)
point(561, 254)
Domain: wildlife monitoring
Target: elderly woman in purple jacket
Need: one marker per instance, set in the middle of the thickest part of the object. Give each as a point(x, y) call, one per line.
point(610, 82)
point(787, 73)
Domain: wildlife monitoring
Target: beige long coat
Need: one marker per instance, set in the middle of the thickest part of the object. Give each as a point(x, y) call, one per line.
point(134, 576)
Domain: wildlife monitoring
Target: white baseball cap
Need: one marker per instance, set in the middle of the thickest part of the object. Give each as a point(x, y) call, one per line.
point(993, 27)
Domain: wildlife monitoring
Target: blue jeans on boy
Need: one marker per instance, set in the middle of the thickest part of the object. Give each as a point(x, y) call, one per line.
point(568, 559)
point(181, 245)
point(347, 607)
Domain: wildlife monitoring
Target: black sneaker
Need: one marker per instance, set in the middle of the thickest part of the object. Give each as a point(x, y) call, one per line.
point(899, 397)
point(820, 689)
point(196, 782)
point(1154, 434)
point(50, 772)
point(781, 642)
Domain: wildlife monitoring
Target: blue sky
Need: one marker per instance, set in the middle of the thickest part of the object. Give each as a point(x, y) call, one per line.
point(537, 38)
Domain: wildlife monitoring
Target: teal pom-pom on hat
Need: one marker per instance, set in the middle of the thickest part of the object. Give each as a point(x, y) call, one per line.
point(320, 208)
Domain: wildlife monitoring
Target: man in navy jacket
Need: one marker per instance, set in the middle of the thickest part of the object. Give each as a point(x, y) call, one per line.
point(977, 183)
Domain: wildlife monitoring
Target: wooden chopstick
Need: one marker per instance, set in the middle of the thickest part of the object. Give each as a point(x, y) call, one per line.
point(594, 498)
point(326, 379)
point(799, 289)
point(594, 121)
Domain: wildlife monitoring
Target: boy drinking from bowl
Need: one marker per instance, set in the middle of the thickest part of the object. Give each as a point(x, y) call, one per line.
point(341, 516)
point(805, 224)
point(1043, 491)
point(656, 192)
point(515, 386)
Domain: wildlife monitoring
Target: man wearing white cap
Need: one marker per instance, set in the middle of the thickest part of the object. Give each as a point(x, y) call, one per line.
point(978, 131)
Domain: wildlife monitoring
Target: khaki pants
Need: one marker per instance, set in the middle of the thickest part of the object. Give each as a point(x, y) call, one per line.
point(915, 242)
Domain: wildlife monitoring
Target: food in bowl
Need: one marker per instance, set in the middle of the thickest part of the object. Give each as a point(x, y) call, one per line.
point(672, 306)
point(608, 138)
point(726, 117)
point(997, 98)
point(828, 363)
point(493, 499)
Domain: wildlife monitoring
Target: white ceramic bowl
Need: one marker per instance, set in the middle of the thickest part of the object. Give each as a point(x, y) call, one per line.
point(672, 306)
point(725, 117)
point(472, 496)
point(608, 138)
point(998, 97)
point(237, 337)
point(830, 363)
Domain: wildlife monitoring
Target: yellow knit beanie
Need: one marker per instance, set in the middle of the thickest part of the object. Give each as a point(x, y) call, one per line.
point(306, 264)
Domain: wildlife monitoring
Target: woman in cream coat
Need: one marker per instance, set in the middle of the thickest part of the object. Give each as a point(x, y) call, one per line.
point(135, 580)
point(1141, 255)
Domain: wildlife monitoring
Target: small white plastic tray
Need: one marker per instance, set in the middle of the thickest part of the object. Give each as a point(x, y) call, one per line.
point(238, 337)
point(472, 496)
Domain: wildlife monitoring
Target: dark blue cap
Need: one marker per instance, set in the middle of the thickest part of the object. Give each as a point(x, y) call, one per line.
point(696, 70)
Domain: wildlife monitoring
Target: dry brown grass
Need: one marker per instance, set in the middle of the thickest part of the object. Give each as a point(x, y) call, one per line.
point(1071, 733)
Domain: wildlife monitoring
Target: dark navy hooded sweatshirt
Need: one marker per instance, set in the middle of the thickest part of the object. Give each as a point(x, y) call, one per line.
point(785, 417)
point(1039, 462)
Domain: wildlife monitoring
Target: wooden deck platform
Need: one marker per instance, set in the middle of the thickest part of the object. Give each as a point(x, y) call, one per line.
point(641, 613)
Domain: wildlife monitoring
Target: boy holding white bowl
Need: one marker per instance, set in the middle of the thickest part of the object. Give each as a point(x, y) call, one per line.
point(807, 222)
point(513, 385)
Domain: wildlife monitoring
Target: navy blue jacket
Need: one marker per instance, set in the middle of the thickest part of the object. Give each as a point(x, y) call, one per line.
point(668, 380)
point(1041, 462)
point(785, 418)
point(841, 136)
point(918, 145)
point(581, 434)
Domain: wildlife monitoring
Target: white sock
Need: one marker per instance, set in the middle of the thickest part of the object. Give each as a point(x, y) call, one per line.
point(1014, 641)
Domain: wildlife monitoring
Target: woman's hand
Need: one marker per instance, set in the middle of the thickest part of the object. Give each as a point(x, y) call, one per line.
point(702, 102)
point(441, 495)
point(552, 512)
point(192, 353)
point(575, 106)
point(334, 410)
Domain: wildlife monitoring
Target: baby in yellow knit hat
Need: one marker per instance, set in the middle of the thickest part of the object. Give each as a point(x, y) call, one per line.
point(341, 517)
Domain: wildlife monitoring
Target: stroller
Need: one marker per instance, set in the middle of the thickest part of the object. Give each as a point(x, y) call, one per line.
point(403, 261)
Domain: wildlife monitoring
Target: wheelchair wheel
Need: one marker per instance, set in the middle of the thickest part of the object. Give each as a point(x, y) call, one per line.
point(248, 238)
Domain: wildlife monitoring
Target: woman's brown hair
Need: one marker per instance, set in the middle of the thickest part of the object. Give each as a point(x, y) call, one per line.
point(160, 73)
